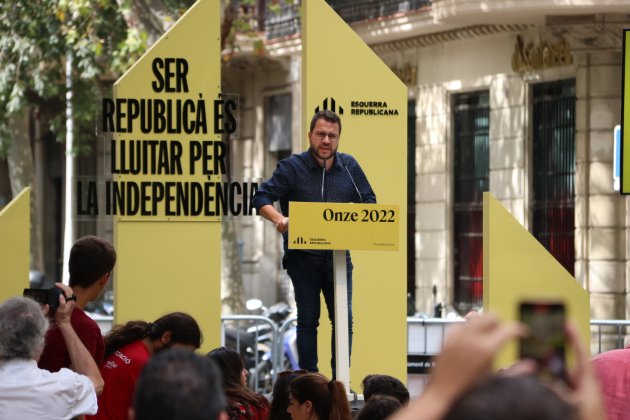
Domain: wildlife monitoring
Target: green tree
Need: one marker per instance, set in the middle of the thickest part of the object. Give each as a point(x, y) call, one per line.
point(103, 38)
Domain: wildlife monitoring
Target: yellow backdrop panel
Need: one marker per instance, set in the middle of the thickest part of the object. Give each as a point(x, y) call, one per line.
point(166, 266)
point(625, 120)
point(340, 72)
point(517, 267)
point(15, 251)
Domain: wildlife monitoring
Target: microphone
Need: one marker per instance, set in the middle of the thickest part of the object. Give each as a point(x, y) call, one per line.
point(323, 179)
point(352, 179)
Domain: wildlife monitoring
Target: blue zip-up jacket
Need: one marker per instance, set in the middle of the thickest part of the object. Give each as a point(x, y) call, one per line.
point(300, 178)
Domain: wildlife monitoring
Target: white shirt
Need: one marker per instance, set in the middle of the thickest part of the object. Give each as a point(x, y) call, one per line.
point(27, 392)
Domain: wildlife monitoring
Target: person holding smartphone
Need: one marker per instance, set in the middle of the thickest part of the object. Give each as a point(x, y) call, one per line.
point(28, 392)
point(466, 360)
point(91, 262)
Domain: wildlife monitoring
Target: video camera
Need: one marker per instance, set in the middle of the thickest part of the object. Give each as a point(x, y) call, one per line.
point(48, 297)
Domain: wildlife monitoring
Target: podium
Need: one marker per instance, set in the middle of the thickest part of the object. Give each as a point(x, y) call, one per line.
point(340, 227)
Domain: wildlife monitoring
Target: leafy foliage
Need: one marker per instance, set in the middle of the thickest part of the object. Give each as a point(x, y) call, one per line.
point(104, 38)
point(36, 36)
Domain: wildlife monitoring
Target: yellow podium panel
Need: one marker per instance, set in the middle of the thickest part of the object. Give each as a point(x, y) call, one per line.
point(625, 117)
point(167, 120)
point(516, 268)
point(15, 251)
point(341, 73)
point(343, 226)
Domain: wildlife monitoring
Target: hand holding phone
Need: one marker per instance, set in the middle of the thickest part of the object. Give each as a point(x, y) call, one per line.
point(545, 340)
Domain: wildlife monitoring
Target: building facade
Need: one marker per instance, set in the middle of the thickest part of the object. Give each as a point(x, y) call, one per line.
point(519, 99)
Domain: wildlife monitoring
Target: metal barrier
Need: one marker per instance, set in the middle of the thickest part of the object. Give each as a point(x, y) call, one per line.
point(416, 340)
point(288, 323)
point(425, 336)
point(263, 373)
point(618, 323)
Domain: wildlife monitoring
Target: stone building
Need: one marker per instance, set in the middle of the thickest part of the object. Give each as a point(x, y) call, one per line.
point(517, 98)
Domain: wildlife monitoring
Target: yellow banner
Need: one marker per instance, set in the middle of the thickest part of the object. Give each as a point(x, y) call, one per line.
point(370, 227)
point(167, 117)
point(625, 118)
point(341, 73)
point(171, 179)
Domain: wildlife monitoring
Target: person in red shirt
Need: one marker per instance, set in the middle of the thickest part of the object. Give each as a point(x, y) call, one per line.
point(91, 262)
point(613, 371)
point(128, 348)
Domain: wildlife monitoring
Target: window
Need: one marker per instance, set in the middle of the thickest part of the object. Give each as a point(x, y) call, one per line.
point(553, 164)
point(278, 124)
point(471, 179)
point(411, 206)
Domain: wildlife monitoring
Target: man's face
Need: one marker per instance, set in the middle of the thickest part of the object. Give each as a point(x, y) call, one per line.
point(324, 139)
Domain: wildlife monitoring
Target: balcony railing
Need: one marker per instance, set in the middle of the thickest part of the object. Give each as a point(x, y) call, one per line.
point(286, 20)
point(283, 22)
point(354, 11)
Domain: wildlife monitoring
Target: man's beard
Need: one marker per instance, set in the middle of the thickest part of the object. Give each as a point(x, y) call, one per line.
point(315, 152)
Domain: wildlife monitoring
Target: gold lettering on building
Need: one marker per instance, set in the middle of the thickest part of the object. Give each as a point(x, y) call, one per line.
point(533, 57)
point(406, 73)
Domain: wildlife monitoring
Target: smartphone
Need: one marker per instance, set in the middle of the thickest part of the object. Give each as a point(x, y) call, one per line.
point(545, 342)
point(45, 297)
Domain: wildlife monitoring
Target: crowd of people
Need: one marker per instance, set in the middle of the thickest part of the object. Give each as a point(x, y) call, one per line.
point(54, 366)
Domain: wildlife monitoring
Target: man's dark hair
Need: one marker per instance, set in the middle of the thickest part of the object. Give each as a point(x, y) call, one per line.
point(280, 394)
point(91, 257)
point(384, 385)
point(511, 398)
point(379, 407)
point(327, 115)
point(177, 384)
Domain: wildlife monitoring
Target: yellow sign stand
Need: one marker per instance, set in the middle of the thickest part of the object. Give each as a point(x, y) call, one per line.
point(337, 227)
point(15, 248)
point(372, 227)
point(625, 117)
point(170, 261)
point(341, 73)
point(516, 267)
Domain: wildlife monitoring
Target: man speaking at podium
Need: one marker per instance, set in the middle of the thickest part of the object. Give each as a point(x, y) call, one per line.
point(321, 174)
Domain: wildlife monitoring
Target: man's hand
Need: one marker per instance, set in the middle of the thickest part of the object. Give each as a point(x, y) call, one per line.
point(270, 213)
point(282, 225)
point(469, 350)
point(66, 306)
point(466, 357)
point(585, 393)
point(82, 361)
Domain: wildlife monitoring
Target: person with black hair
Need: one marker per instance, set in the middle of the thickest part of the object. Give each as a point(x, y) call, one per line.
point(379, 407)
point(91, 262)
point(384, 385)
point(179, 385)
point(321, 174)
point(457, 389)
point(243, 403)
point(280, 394)
point(128, 348)
point(314, 397)
point(511, 398)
